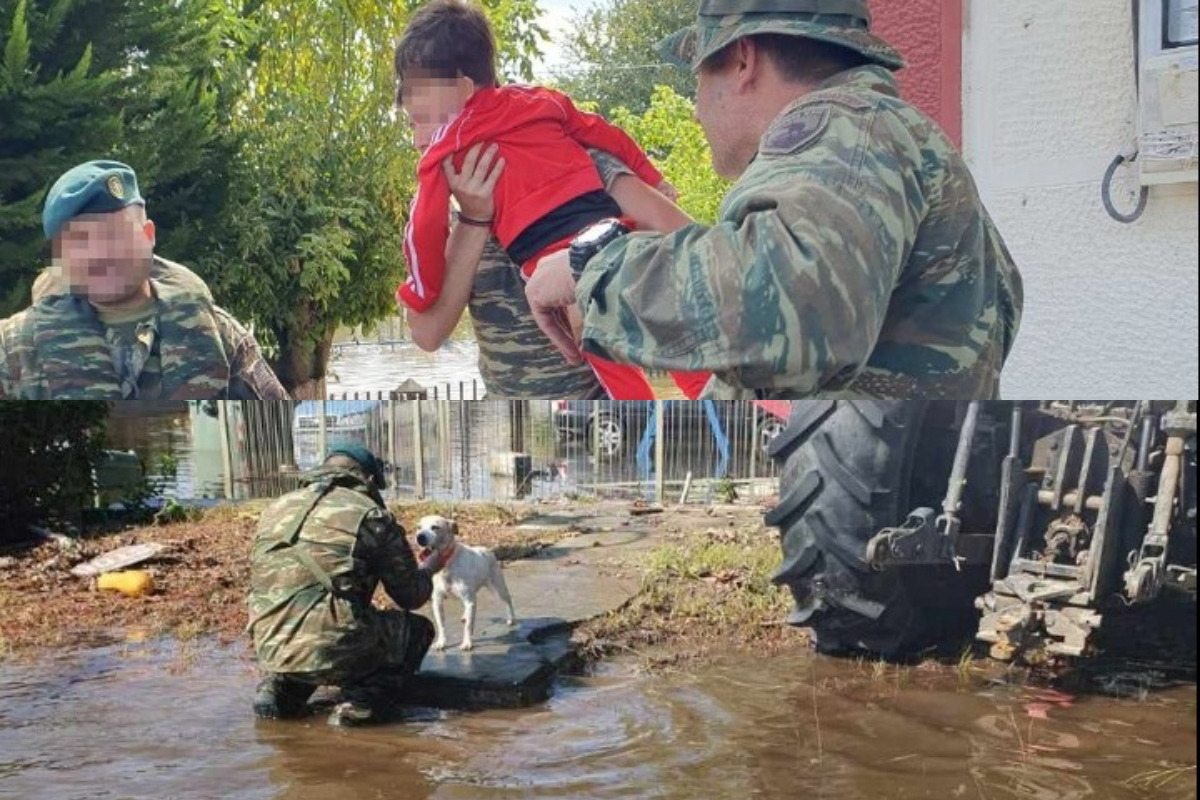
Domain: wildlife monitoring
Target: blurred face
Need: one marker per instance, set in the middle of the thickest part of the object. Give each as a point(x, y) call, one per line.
point(429, 103)
point(106, 257)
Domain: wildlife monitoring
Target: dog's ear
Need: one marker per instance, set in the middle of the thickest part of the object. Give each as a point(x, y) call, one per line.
point(454, 529)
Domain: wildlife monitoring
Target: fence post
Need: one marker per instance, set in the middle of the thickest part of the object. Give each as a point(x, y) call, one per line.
point(391, 440)
point(659, 452)
point(518, 413)
point(755, 440)
point(445, 446)
point(595, 434)
point(464, 424)
point(226, 456)
point(321, 431)
point(419, 450)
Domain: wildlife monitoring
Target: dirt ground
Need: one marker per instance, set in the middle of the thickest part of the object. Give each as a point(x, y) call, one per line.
point(706, 581)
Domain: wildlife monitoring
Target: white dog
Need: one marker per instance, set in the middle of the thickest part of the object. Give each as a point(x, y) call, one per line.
point(467, 570)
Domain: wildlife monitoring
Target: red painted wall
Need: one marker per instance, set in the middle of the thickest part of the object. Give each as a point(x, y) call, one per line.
point(929, 35)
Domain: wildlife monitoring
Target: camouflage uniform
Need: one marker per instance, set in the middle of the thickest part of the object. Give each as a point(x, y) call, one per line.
point(318, 555)
point(515, 358)
point(186, 349)
point(853, 257)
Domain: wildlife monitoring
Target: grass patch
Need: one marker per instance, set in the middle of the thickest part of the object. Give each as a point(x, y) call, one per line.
point(230, 512)
point(189, 630)
point(705, 592)
point(466, 513)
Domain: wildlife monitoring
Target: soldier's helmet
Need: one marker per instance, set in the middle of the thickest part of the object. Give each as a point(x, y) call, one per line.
point(846, 23)
point(370, 464)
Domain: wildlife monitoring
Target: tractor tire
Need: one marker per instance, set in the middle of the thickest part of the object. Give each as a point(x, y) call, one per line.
point(847, 473)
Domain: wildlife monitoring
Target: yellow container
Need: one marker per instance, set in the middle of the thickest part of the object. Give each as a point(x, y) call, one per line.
point(131, 582)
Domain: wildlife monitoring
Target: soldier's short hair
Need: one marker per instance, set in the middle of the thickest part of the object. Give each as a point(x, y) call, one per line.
point(447, 39)
point(339, 461)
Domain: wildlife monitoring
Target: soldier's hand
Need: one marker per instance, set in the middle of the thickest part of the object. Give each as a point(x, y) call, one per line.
point(551, 294)
point(668, 190)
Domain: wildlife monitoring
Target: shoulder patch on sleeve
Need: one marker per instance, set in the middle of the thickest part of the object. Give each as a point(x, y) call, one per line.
point(796, 131)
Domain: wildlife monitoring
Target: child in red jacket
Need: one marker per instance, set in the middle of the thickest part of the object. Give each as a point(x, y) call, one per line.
point(549, 190)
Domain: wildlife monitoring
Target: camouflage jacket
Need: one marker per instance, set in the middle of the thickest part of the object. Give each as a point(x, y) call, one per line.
point(854, 257)
point(318, 555)
point(190, 349)
point(515, 358)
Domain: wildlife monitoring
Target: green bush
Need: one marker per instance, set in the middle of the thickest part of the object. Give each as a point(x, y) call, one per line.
point(48, 450)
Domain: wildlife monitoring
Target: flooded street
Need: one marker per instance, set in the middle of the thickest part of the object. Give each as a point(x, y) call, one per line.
point(180, 448)
point(156, 720)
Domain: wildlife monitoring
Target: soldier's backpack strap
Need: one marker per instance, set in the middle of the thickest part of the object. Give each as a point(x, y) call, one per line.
point(319, 490)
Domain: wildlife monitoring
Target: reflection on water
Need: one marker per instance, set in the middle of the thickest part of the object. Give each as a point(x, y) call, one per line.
point(178, 444)
point(383, 367)
point(150, 721)
point(451, 372)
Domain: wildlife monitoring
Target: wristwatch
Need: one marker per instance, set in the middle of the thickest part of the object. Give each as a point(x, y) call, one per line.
point(591, 240)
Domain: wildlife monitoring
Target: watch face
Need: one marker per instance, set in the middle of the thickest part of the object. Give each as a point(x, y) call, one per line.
point(595, 233)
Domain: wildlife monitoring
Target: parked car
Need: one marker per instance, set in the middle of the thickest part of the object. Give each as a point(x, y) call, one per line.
point(616, 426)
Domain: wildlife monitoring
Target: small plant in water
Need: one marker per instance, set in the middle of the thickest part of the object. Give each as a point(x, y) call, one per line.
point(965, 663)
point(173, 512)
point(1159, 779)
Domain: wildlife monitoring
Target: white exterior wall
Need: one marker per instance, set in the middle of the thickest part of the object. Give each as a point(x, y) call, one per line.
point(1049, 99)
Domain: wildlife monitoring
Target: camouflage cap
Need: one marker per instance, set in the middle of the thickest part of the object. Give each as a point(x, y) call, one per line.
point(97, 187)
point(371, 465)
point(721, 22)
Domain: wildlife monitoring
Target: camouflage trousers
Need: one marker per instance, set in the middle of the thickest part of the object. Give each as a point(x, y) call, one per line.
point(404, 640)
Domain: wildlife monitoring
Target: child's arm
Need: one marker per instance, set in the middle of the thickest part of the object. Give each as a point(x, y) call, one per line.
point(425, 238)
point(432, 327)
point(648, 208)
point(472, 187)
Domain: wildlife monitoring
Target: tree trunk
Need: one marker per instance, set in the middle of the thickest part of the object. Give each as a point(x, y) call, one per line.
point(302, 363)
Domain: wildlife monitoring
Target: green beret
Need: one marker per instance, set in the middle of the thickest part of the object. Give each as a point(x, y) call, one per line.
point(97, 187)
point(365, 458)
point(846, 23)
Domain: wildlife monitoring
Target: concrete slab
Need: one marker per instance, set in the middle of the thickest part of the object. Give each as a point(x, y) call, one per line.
point(570, 582)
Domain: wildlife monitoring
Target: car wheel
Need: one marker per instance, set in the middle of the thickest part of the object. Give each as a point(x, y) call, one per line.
point(606, 433)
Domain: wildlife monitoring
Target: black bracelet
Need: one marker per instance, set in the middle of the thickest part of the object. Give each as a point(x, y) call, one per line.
point(478, 223)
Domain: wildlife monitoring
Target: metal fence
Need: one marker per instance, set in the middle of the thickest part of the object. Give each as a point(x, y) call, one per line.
point(665, 451)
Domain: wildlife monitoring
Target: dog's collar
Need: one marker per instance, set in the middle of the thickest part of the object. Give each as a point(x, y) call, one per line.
point(450, 556)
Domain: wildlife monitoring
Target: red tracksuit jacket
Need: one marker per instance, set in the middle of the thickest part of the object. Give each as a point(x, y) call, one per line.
point(542, 136)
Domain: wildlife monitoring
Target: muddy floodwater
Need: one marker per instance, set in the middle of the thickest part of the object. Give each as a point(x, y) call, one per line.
point(163, 720)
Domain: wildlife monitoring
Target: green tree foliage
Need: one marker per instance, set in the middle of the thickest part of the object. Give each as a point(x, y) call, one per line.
point(611, 58)
point(263, 135)
point(50, 448)
point(668, 132)
point(133, 80)
point(313, 231)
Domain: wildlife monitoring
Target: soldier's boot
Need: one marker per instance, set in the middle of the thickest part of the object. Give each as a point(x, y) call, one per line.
point(279, 698)
point(371, 699)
